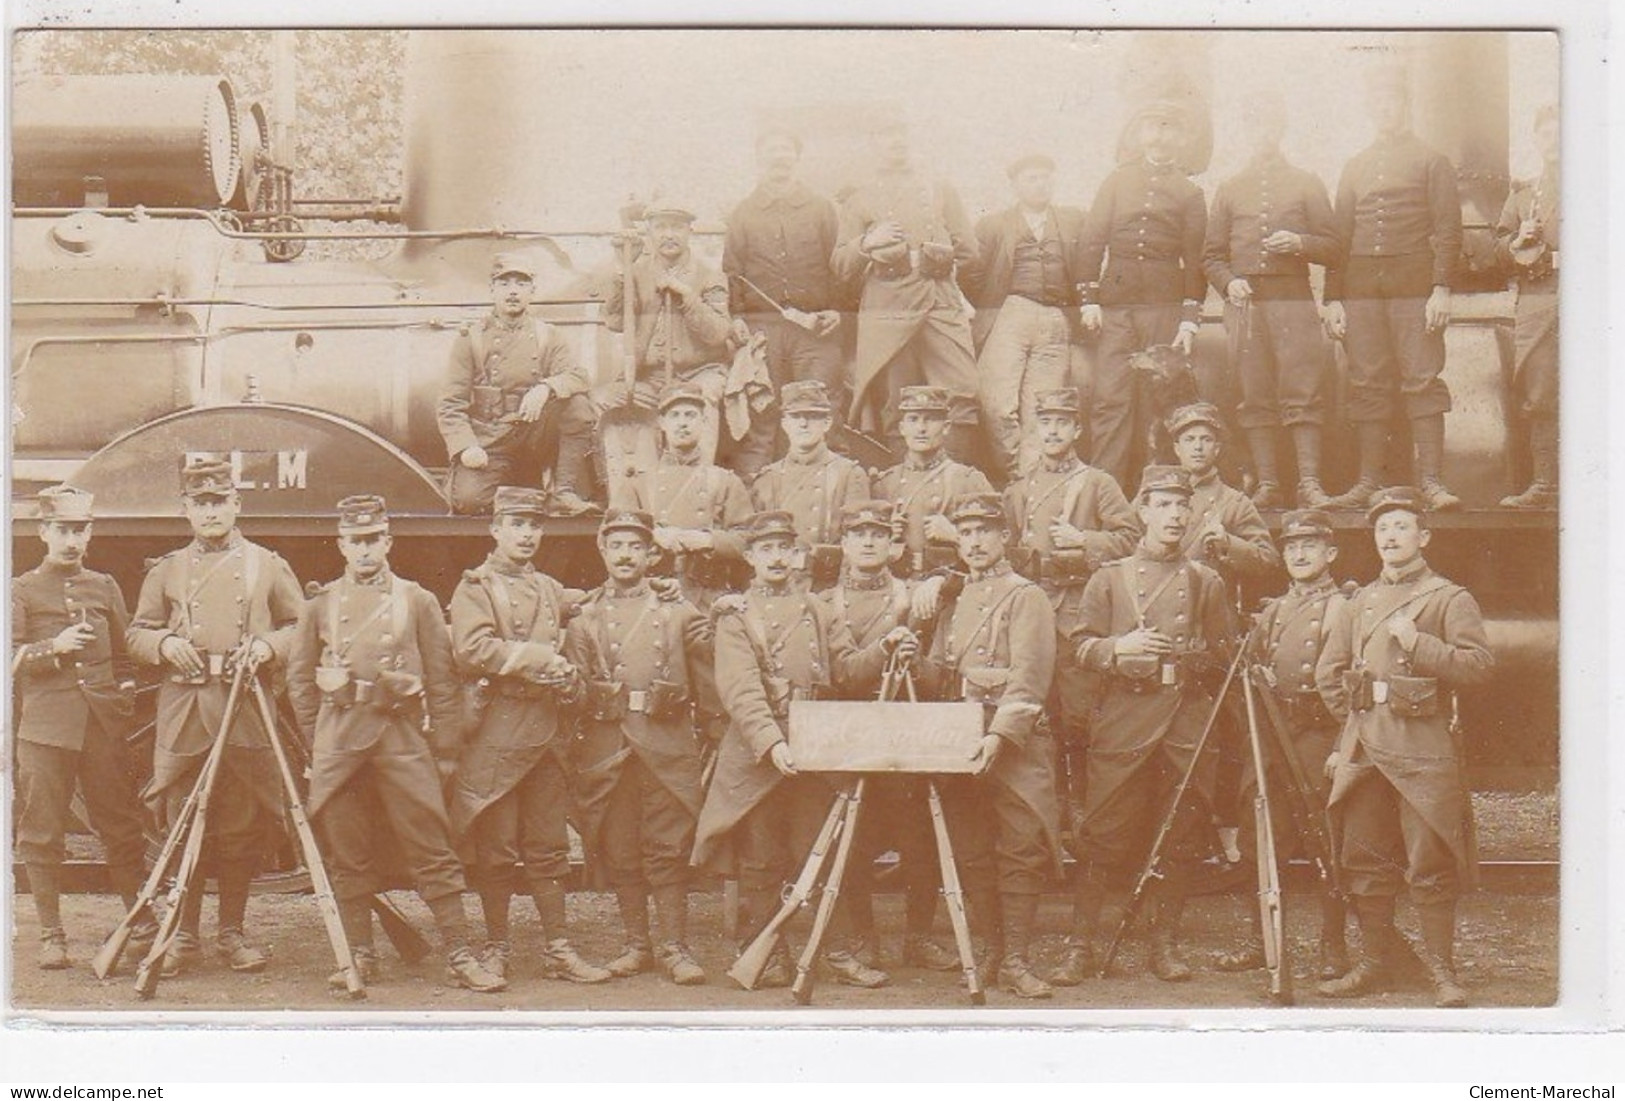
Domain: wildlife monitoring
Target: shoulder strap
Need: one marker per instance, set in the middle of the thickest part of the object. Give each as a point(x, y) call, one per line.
point(1437, 584)
point(988, 619)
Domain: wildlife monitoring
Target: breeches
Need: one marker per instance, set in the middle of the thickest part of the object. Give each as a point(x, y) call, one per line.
point(1534, 340)
point(647, 831)
point(237, 822)
point(562, 434)
point(1121, 816)
point(1026, 351)
point(45, 781)
point(1385, 844)
point(1118, 418)
point(1280, 357)
point(1393, 361)
point(527, 824)
point(998, 840)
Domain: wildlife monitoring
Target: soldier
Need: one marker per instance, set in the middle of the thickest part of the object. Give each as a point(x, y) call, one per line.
point(1526, 239)
point(695, 503)
point(924, 482)
point(680, 310)
point(511, 790)
point(1067, 519)
point(216, 602)
point(873, 602)
point(1398, 218)
point(1400, 808)
point(811, 482)
point(514, 396)
point(647, 667)
point(777, 260)
point(371, 680)
point(1286, 645)
point(1226, 530)
point(75, 714)
point(995, 644)
point(902, 237)
point(1155, 626)
point(1269, 222)
point(1026, 296)
point(1147, 225)
point(776, 644)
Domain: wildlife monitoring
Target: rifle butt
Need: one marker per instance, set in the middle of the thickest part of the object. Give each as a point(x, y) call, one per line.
point(410, 944)
point(107, 956)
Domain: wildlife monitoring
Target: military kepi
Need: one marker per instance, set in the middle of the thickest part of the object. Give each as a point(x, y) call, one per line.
point(679, 392)
point(1305, 524)
point(65, 504)
point(1064, 401)
point(807, 396)
point(519, 501)
point(866, 514)
point(628, 519)
point(1199, 412)
point(512, 263)
point(987, 507)
point(1165, 479)
point(363, 514)
point(923, 399)
point(1394, 499)
point(202, 476)
point(772, 524)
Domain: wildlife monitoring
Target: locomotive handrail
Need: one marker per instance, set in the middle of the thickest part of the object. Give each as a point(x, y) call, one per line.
point(245, 303)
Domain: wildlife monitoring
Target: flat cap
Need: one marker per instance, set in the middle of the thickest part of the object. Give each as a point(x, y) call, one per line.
point(65, 504)
point(923, 399)
point(772, 524)
point(966, 507)
point(1065, 400)
point(513, 263)
point(1200, 412)
point(362, 514)
point(207, 476)
point(1396, 499)
point(866, 514)
point(1305, 523)
point(1030, 160)
point(1165, 479)
point(679, 392)
point(806, 396)
point(519, 501)
point(628, 519)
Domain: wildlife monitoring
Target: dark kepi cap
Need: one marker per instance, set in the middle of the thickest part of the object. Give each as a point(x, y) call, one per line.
point(807, 396)
point(866, 514)
point(1306, 523)
point(1394, 499)
point(774, 523)
point(519, 501)
point(65, 504)
point(1030, 160)
point(923, 399)
point(513, 263)
point(628, 519)
point(1200, 412)
point(679, 392)
point(988, 507)
point(1165, 479)
point(362, 514)
point(207, 476)
point(1065, 400)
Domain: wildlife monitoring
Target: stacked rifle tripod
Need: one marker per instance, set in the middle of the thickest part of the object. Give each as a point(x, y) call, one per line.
point(182, 852)
point(840, 829)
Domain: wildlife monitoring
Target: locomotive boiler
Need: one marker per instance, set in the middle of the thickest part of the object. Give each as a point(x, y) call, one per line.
point(165, 302)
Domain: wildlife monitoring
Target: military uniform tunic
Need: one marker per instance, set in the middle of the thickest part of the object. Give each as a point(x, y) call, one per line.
point(996, 643)
point(695, 495)
point(1534, 331)
point(694, 332)
point(1399, 749)
point(657, 657)
point(374, 741)
point(1149, 719)
point(921, 490)
point(510, 792)
point(813, 491)
point(1248, 549)
point(73, 718)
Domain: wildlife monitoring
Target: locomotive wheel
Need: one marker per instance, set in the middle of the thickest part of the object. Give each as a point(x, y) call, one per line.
point(282, 251)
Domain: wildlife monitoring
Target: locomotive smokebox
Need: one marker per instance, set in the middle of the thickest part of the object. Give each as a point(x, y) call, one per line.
point(148, 140)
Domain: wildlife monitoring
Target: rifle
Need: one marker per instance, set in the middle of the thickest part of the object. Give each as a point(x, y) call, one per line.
point(953, 896)
point(107, 957)
point(747, 969)
point(1306, 819)
point(320, 884)
point(1153, 863)
point(193, 822)
point(1469, 826)
point(801, 988)
point(1271, 920)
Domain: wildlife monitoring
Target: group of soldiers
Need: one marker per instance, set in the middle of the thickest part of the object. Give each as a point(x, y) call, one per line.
point(1094, 627)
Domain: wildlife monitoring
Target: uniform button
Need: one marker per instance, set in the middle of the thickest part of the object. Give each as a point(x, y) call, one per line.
point(1314, 623)
point(344, 619)
point(1179, 638)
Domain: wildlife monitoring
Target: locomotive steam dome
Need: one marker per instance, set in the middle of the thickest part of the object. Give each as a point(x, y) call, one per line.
point(166, 141)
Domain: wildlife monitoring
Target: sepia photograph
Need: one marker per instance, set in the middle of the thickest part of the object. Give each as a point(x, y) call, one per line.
point(726, 523)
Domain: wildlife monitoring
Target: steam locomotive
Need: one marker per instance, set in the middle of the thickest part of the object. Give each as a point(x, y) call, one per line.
point(162, 306)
